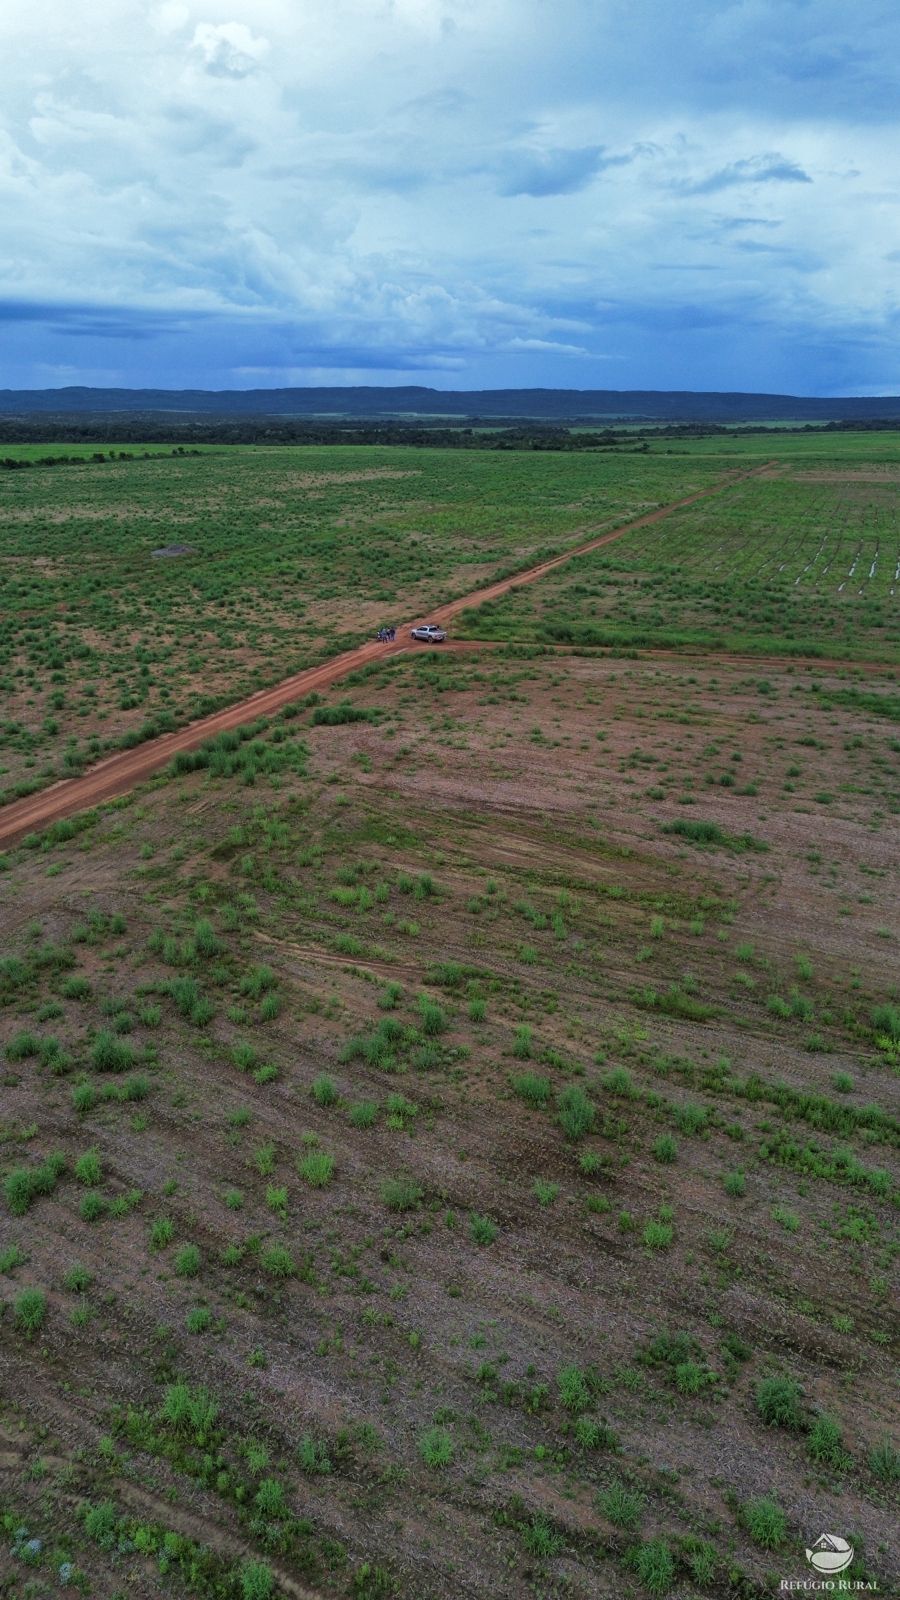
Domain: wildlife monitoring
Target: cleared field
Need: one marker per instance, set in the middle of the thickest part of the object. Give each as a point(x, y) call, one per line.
point(448, 1142)
point(292, 554)
point(805, 561)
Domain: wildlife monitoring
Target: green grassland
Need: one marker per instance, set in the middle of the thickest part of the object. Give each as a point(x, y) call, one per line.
point(296, 552)
point(803, 562)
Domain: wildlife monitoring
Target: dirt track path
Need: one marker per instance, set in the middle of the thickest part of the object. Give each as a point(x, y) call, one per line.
point(119, 773)
point(696, 654)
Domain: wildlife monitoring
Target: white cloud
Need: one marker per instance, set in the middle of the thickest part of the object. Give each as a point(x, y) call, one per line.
point(229, 49)
point(170, 17)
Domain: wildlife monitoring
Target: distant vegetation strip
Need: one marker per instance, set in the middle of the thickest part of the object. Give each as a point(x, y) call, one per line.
point(16, 463)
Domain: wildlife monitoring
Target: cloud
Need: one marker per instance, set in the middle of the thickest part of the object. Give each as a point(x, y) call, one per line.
point(547, 346)
point(554, 171)
point(192, 189)
point(753, 169)
point(229, 49)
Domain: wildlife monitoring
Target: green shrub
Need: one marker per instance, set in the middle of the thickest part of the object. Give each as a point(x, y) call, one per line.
point(312, 1456)
point(92, 1207)
point(76, 988)
point(778, 1401)
point(574, 1389)
point(363, 1115)
point(264, 1159)
point(257, 1582)
point(11, 1257)
point(669, 1347)
point(205, 941)
point(541, 1538)
point(658, 1235)
point(162, 1232)
point(654, 1564)
point(594, 1435)
point(735, 1184)
point(112, 1054)
point(101, 1523)
point(482, 1230)
point(886, 1022)
point(691, 1118)
point(332, 716)
point(401, 1112)
point(24, 1185)
point(701, 1560)
point(621, 1505)
point(575, 1112)
point(270, 1498)
point(372, 1583)
point(278, 1261)
point(432, 1017)
point(324, 1090)
point(187, 1261)
point(317, 1168)
point(884, 1461)
point(436, 1447)
point(590, 1162)
point(618, 1081)
point(257, 982)
point(765, 1522)
point(401, 1194)
point(665, 1148)
point(29, 1311)
point(189, 1411)
point(22, 1046)
point(709, 833)
point(522, 1042)
point(534, 1089)
point(88, 1169)
point(690, 1377)
point(825, 1443)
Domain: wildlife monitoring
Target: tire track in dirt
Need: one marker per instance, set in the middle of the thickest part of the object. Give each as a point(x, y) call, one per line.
point(118, 774)
point(695, 654)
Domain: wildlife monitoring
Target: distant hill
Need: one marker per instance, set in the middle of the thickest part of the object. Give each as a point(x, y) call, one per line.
point(560, 405)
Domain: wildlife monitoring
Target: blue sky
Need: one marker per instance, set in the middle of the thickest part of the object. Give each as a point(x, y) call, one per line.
point(464, 193)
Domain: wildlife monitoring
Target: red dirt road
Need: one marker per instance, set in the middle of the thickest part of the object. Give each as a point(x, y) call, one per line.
point(119, 773)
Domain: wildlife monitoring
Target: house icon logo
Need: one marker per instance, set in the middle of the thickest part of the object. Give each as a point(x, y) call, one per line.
point(830, 1554)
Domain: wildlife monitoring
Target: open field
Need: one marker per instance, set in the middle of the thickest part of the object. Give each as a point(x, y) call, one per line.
point(293, 554)
point(803, 561)
point(448, 1135)
point(117, 774)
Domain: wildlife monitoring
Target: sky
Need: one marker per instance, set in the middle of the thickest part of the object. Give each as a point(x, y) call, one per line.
point(236, 194)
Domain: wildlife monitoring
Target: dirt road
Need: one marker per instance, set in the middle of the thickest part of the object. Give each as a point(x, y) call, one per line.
point(119, 773)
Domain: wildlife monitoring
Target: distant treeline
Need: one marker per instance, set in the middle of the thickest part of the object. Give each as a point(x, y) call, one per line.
point(250, 430)
point(17, 463)
point(468, 434)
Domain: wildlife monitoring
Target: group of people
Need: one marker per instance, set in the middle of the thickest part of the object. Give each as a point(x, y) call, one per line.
point(386, 635)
